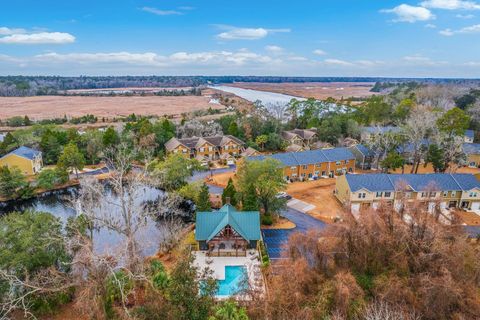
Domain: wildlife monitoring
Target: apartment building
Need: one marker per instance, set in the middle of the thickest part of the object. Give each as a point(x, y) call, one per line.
point(313, 164)
point(207, 148)
point(301, 137)
point(363, 191)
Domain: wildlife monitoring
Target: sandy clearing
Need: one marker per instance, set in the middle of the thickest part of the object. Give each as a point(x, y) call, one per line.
point(320, 194)
point(45, 107)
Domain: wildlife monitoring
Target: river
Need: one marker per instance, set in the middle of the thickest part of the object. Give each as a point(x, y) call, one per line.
point(59, 204)
point(267, 98)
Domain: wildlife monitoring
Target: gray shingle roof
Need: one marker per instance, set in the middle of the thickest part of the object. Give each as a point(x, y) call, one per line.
point(418, 182)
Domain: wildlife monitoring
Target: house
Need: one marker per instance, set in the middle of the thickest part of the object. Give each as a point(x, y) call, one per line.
point(206, 148)
point(301, 137)
point(227, 232)
point(321, 145)
point(472, 151)
point(250, 152)
point(469, 136)
point(313, 164)
point(368, 132)
point(28, 160)
point(295, 148)
point(363, 156)
point(363, 191)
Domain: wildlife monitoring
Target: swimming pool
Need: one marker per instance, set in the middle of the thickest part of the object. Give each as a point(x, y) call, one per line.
point(235, 281)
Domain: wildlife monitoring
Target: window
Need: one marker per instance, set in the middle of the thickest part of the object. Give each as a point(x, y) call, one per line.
point(317, 173)
point(408, 195)
point(454, 193)
point(473, 195)
point(210, 148)
point(310, 175)
point(388, 194)
point(433, 194)
point(293, 168)
point(305, 167)
point(424, 194)
point(184, 151)
point(346, 161)
point(361, 195)
point(379, 194)
point(445, 194)
point(202, 149)
point(324, 173)
point(337, 163)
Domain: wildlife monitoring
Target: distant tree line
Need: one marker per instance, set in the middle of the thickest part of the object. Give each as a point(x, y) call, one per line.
point(18, 86)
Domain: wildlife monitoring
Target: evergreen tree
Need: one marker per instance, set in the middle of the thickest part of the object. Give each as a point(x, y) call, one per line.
point(110, 137)
point(233, 129)
point(71, 158)
point(229, 192)
point(204, 203)
point(435, 156)
point(250, 200)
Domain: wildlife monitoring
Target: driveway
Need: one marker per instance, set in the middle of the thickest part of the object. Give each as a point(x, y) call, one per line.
point(276, 239)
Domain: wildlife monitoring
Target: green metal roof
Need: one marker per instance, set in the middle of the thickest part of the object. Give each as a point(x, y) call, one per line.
point(246, 223)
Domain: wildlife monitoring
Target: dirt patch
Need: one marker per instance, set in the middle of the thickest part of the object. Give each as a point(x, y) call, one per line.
point(429, 169)
point(469, 218)
point(47, 107)
point(320, 194)
point(281, 223)
point(220, 179)
point(317, 90)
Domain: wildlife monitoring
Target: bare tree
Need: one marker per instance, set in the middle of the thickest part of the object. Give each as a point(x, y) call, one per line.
point(195, 128)
point(380, 310)
point(118, 204)
point(417, 128)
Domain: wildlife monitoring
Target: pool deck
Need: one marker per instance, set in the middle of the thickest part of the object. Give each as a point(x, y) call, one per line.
point(217, 264)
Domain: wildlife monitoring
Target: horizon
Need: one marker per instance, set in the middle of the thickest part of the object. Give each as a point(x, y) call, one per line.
point(435, 39)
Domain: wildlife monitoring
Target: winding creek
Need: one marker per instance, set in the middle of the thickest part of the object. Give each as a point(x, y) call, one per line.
point(59, 204)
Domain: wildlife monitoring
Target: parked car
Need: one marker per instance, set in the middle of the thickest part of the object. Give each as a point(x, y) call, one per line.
point(283, 195)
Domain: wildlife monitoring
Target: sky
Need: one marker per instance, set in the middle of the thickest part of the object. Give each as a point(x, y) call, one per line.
point(401, 38)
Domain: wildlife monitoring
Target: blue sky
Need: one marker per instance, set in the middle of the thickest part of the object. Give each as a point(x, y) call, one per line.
point(430, 38)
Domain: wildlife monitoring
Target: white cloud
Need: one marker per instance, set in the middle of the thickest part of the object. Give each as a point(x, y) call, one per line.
point(239, 57)
point(420, 60)
point(38, 38)
point(319, 52)
point(4, 31)
point(274, 49)
point(147, 58)
point(467, 30)
point(430, 26)
point(337, 62)
point(235, 33)
point(408, 13)
point(450, 4)
point(160, 12)
point(465, 16)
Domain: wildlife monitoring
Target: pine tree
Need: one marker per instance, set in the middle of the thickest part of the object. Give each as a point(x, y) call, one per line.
point(250, 200)
point(204, 203)
point(229, 192)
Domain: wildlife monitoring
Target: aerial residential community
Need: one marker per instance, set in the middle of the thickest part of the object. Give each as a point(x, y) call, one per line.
point(238, 160)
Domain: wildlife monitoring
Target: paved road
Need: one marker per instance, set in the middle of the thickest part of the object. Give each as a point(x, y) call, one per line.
point(276, 239)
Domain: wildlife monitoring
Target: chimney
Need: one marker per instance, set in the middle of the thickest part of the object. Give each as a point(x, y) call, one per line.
point(227, 200)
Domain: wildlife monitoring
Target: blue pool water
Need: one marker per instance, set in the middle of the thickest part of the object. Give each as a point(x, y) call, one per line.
point(234, 282)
